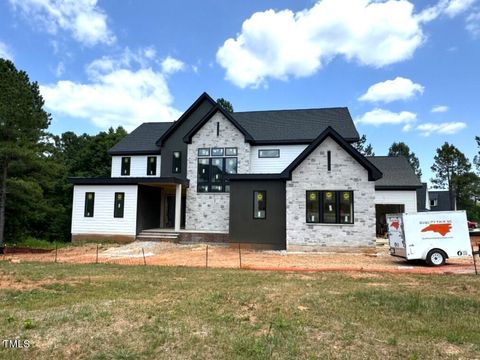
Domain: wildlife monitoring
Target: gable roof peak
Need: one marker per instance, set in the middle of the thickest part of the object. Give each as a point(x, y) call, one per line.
point(373, 172)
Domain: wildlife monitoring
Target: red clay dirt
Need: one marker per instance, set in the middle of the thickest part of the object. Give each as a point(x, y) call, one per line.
point(168, 254)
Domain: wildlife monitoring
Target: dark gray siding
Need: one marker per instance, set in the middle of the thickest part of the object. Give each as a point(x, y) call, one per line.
point(175, 141)
point(148, 208)
point(244, 228)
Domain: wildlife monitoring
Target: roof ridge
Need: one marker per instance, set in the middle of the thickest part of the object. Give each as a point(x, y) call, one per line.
point(283, 110)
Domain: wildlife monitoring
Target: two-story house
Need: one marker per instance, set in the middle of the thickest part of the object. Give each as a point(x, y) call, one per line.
point(287, 179)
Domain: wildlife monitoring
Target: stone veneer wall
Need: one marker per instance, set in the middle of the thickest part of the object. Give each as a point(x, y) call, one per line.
point(210, 211)
point(345, 174)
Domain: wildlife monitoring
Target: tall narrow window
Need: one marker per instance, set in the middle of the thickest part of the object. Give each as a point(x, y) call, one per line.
point(89, 204)
point(346, 207)
point(313, 207)
point(126, 165)
point(217, 175)
point(152, 165)
point(230, 168)
point(119, 204)
point(203, 175)
point(329, 160)
point(329, 207)
point(177, 162)
point(259, 204)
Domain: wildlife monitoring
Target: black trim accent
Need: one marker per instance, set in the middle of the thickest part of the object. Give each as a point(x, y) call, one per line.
point(329, 160)
point(247, 177)
point(293, 141)
point(134, 152)
point(128, 181)
point(188, 137)
point(397, 187)
point(184, 116)
point(373, 172)
point(218, 128)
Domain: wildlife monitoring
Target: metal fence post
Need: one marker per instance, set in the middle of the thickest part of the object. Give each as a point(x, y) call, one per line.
point(240, 255)
point(144, 260)
point(206, 257)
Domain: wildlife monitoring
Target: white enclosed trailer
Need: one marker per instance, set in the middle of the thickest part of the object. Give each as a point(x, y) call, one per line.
point(432, 236)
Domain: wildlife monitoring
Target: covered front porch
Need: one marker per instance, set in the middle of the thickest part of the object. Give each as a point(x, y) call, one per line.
point(161, 206)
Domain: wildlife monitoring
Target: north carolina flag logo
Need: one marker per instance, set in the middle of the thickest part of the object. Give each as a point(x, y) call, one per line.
point(442, 229)
point(395, 224)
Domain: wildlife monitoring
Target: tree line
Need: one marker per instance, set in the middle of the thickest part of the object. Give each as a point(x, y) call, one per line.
point(36, 196)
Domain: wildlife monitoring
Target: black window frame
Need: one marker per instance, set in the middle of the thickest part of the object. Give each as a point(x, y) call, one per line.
point(86, 207)
point(320, 199)
point(255, 199)
point(268, 157)
point(223, 183)
point(119, 212)
point(174, 162)
point(151, 165)
point(126, 165)
point(203, 149)
point(231, 148)
point(217, 155)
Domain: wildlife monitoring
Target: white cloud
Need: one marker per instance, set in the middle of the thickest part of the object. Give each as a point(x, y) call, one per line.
point(456, 7)
point(5, 51)
point(407, 127)
point(282, 44)
point(123, 90)
point(390, 90)
point(83, 18)
point(439, 109)
point(473, 24)
point(378, 117)
point(171, 65)
point(446, 128)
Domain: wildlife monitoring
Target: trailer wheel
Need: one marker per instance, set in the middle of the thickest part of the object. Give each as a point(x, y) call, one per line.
point(436, 257)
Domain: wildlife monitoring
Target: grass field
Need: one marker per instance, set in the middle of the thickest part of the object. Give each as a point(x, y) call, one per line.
point(130, 312)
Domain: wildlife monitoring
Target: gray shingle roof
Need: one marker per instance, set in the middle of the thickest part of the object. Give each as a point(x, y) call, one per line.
point(141, 140)
point(302, 125)
point(397, 173)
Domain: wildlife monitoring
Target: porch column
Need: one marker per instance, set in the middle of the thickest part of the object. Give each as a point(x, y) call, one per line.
point(178, 206)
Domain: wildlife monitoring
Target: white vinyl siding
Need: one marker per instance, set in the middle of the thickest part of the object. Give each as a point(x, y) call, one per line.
point(397, 197)
point(103, 221)
point(288, 153)
point(138, 166)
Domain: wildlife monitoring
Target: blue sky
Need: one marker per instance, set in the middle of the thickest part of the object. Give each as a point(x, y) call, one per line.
point(408, 71)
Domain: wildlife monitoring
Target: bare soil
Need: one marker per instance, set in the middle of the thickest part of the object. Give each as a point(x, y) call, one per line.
point(221, 256)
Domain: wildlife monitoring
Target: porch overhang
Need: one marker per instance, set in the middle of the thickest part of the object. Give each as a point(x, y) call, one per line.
point(129, 181)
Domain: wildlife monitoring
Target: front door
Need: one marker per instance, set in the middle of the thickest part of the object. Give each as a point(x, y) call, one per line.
point(170, 213)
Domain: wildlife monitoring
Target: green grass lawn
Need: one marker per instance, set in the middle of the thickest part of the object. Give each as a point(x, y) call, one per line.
point(131, 312)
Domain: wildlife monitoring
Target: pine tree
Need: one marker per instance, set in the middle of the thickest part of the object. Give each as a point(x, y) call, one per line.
point(22, 130)
point(402, 149)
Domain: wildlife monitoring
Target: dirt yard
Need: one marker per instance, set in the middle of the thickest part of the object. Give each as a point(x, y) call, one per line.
point(221, 256)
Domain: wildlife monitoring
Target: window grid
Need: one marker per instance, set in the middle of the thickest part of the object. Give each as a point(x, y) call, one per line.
point(330, 207)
